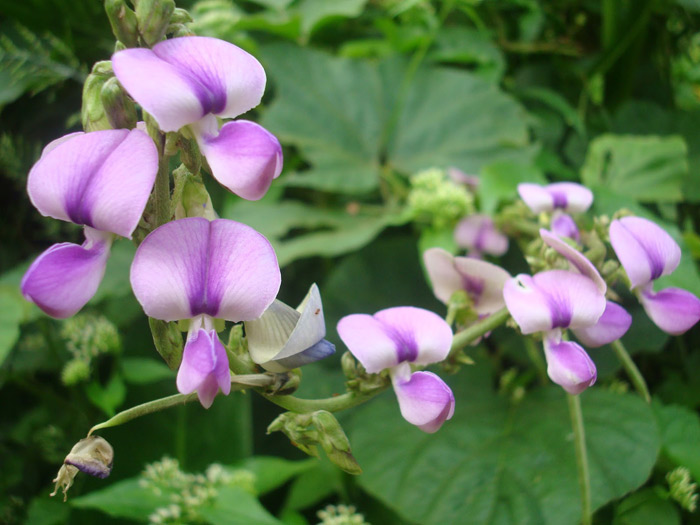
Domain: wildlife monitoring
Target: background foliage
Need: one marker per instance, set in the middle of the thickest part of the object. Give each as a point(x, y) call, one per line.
point(362, 94)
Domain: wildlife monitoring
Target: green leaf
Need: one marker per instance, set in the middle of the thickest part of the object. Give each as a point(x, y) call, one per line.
point(45, 511)
point(107, 397)
point(235, 506)
point(272, 472)
point(12, 312)
point(143, 370)
point(680, 436)
point(347, 120)
point(646, 508)
point(124, 499)
point(314, 485)
point(499, 463)
point(645, 168)
point(464, 45)
point(315, 12)
point(499, 181)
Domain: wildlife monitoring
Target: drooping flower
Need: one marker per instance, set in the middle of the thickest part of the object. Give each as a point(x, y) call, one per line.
point(394, 339)
point(482, 280)
point(200, 270)
point(193, 80)
point(284, 338)
point(478, 234)
point(100, 180)
point(647, 252)
point(553, 301)
point(567, 196)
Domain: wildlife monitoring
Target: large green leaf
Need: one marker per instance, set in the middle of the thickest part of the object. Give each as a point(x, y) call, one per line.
point(645, 168)
point(349, 118)
point(124, 499)
point(505, 464)
point(235, 506)
point(680, 436)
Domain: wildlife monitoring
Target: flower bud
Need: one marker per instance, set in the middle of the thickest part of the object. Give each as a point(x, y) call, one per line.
point(181, 16)
point(153, 19)
point(92, 455)
point(118, 107)
point(123, 22)
point(334, 442)
point(191, 198)
point(93, 113)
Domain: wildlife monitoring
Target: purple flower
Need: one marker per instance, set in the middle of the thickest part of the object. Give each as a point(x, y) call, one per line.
point(647, 252)
point(101, 180)
point(393, 339)
point(200, 270)
point(567, 196)
point(564, 226)
point(551, 302)
point(192, 81)
point(482, 280)
point(478, 234)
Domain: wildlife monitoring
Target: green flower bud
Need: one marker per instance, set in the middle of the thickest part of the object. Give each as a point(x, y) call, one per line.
point(168, 341)
point(340, 515)
point(682, 488)
point(75, 371)
point(334, 442)
point(153, 18)
point(436, 199)
point(88, 336)
point(93, 115)
point(123, 22)
point(119, 108)
point(180, 16)
point(191, 198)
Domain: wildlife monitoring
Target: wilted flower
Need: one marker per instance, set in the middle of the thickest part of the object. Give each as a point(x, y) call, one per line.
point(92, 455)
point(478, 234)
point(567, 196)
point(647, 252)
point(284, 338)
point(192, 81)
point(394, 339)
point(101, 180)
point(200, 270)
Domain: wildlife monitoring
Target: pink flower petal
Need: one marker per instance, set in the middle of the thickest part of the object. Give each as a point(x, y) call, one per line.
point(579, 261)
point(367, 340)
point(564, 225)
point(204, 367)
point(672, 309)
point(567, 196)
point(244, 157)
point(182, 79)
point(66, 276)
point(569, 366)
point(536, 197)
point(645, 250)
point(421, 336)
point(612, 325)
point(188, 267)
point(553, 299)
point(424, 399)
point(444, 277)
point(101, 179)
point(478, 233)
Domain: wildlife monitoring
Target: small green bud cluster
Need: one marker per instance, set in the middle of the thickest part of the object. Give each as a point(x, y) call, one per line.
point(189, 492)
point(341, 515)
point(435, 199)
point(87, 336)
point(682, 489)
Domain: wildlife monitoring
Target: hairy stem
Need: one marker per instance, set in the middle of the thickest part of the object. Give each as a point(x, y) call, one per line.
point(584, 478)
point(632, 371)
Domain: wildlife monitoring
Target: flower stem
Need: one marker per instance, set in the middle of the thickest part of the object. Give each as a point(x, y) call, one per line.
point(331, 404)
point(466, 336)
point(584, 478)
point(632, 371)
point(536, 358)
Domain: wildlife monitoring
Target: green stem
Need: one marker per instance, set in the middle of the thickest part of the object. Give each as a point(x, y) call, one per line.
point(332, 404)
point(584, 478)
point(466, 336)
point(536, 358)
point(632, 371)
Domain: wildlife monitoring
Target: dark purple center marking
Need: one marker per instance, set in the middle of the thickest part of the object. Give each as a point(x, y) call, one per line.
point(559, 199)
point(405, 344)
point(560, 310)
point(473, 286)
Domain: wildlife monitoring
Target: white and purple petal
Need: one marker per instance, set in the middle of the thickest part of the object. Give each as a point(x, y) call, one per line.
point(191, 266)
point(367, 340)
point(66, 276)
point(674, 310)
point(478, 233)
point(569, 366)
point(101, 179)
point(424, 399)
point(567, 196)
point(204, 367)
point(611, 326)
point(645, 250)
point(420, 336)
point(182, 79)
point(553, 299)
point(482, 280)
point(579, 261)
point(243, 156)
